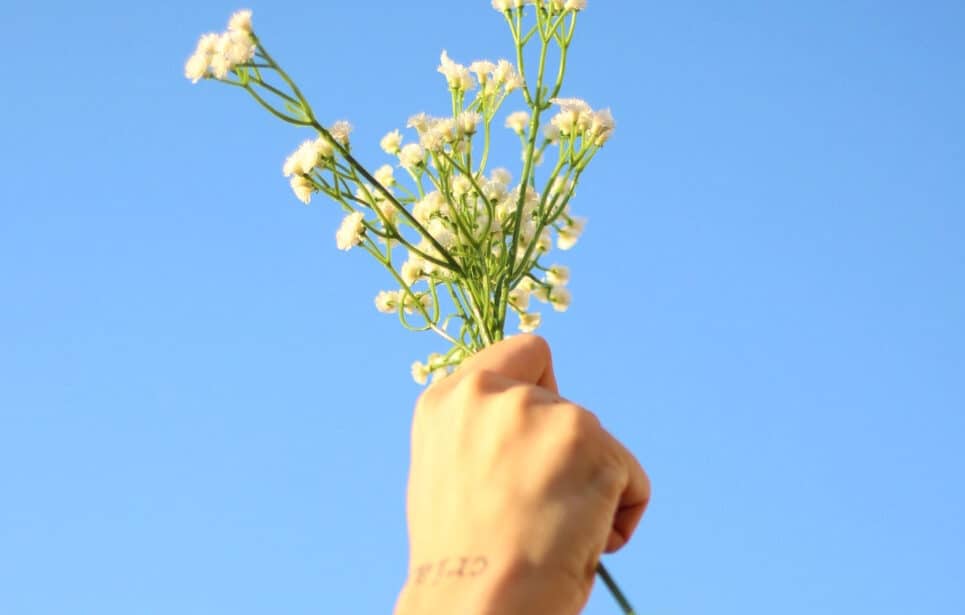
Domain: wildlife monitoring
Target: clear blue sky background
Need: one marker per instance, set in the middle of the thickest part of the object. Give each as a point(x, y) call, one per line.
point(201, 412)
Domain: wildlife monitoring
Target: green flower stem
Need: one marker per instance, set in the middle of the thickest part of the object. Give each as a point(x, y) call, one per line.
point(450, 261)
point(310, 115)
point(431, 323)
point(274, 90)
point(564, 49)
point(614, 589)
point(307, 110)
point(272, 110)
point(515, 28)
point(460, 310)
point(397, 235)
point(486, 130)
point(490, 210)
point(474, 330)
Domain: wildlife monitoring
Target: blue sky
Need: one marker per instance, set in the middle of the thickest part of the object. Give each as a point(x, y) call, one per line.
point(201, 412)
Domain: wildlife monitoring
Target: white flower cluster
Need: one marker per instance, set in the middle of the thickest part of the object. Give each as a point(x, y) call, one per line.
point(551, 289)
point(557, 6)
point(577, 119)
point(490, 76)
point(436, 367)
point(217, 54)
point(310, 154)
point(484, 210)
point(465, 242)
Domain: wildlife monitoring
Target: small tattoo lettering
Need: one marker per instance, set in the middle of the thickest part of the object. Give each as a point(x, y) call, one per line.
point(449, 568)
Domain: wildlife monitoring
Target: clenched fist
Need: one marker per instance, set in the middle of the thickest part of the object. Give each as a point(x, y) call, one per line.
point(514, 492)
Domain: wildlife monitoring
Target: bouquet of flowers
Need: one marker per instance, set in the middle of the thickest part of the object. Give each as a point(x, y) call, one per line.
point(463, 243)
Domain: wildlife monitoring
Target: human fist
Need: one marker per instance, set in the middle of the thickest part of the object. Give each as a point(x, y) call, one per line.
point(514, 492)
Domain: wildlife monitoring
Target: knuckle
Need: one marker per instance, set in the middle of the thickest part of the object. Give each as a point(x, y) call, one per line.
point(521, 396)
point(476, 383)
point(576, 428)
point(610, 479)
point(537, 343)
point(578, 421)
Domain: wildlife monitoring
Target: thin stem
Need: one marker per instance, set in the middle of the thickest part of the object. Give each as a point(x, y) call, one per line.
point(272, 110)
point(614, 589)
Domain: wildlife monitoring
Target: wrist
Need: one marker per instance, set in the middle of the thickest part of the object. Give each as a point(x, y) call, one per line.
point(475, 586)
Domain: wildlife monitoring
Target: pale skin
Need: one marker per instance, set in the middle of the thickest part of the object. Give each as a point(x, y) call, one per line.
point(514, 492)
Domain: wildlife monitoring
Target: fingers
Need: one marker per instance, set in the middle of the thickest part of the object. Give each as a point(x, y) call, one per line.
point(633, 499)
point(525, 358)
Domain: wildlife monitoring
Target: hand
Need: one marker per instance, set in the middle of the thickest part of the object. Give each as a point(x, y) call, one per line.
point(514, 492)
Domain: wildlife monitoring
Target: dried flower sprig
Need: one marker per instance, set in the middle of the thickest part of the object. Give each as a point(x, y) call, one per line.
point(465, 244)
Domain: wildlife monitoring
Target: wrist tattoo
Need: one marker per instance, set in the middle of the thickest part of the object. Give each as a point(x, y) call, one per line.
point(449, 568)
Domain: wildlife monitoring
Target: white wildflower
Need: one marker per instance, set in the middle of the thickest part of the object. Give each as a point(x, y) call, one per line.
point(419, 122)
point(387, 301)
point(483, 69)
point(441, 232)
point(303, 188)
point(439, 373)
point(558, 275)
point(438, 132)
point(570, 234)
point(237, 47)
point(307, 156)
point(529, 321)
point(494, 190)
point(572, 104)
point(350, 232)
point(388, 210)
point(420, 372)
point(295, 164)
point(428, 206)
point(411, 156)
point(461, 186)
point(410, 305)
point(565, 122)
point(196, 67)
point(340, 131)
point(324, 148)
point(208, 44)
point(391, 142)
point(517, 121)
point(502, 176)
point(545, 241)
point(384, 176)
point(412, 270)
point(574, 116)
point(506, 208)
point(540, 291)
point(575, 5)
point(457, 76)
point(519, 298)
point(467, 121)
point(560, 298)
point(220, 66)
point(240, 21)
point(506, 76)
point(601, 127)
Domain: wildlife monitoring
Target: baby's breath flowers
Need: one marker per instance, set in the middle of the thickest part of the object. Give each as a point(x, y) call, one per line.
point(465, 245)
